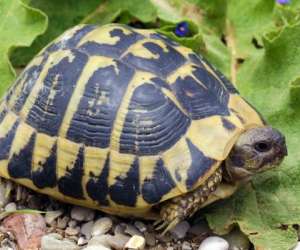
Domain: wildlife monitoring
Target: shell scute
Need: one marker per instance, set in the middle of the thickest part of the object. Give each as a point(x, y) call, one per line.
point(153, 122)
point(161, 183)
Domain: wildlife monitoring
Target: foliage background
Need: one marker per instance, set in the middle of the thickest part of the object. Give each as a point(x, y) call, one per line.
point(256, 44)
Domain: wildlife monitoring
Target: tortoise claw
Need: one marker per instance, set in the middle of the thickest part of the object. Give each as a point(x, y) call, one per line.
point(165, 225)
point(170, 226)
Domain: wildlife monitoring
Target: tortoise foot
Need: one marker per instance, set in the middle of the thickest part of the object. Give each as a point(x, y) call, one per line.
point(179, 208)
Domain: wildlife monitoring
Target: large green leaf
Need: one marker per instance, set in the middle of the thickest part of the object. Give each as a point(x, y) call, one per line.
point(267, 208)
point(62, 15)
point(19, 26)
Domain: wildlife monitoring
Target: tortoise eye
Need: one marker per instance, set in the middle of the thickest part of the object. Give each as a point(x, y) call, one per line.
point(262, 146)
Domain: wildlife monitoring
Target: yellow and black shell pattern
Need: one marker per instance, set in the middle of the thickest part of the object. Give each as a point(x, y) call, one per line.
point(118, 119)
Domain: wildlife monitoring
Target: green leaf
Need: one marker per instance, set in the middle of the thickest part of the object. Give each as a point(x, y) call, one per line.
point(62, 15)
point(177, 10)
point(108, 10)
point(19, 26)
point(267, 209)
point(247, 20)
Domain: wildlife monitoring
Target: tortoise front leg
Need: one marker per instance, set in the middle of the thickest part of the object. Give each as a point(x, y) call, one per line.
point(223, 191)
point(177, 209)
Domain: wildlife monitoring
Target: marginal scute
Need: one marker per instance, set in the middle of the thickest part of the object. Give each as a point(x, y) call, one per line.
point(45, 173)
point(97, 186)
point(126, 188)
point(20, 161)
point(161, 183)
point(7, 137)
point(199, 166)
point(71, 183)
point(227, 124)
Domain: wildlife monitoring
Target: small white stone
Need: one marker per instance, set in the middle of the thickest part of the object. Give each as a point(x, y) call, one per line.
point(297, 247)
point(102, 226)
point(52, 215)
point(54, 242)
point(82, 213)
point(81, 241)
point(214, 243)
point(186, 246)
point(98, 247)
point(10, 207)
point(86, 229)
point(118, 241)
point(100, 240)
point(136, 242)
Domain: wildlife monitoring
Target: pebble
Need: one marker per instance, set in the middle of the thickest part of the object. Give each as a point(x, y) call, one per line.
point(52, 216)
point(140, 226)
point(186, 246)
point(132, 230)
point(136, 242)
point(297, 247)
point(118, 241)
point(237, 240)
point(86, 229)
point(10, 207)
point(62, 222)
point(102, 226)
point(180, 230)
point(98, 247)
point(72, 231)
point(82, 241)
point(55, 241)
point(72, 223)
point(214, 243)
point(119, 229)
point(82, 213)
point(103, 240)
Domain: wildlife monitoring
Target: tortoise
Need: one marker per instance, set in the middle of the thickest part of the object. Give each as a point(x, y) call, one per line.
point(129, 122)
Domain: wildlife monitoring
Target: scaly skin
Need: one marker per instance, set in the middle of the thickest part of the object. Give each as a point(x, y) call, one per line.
point(179, 208)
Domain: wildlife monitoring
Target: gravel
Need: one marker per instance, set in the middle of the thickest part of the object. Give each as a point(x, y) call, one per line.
point(136, 242)
point(70, 227)
point(102, 226)
point(55, 242)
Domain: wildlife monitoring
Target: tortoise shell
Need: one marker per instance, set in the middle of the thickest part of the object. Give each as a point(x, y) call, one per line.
point(118, 119)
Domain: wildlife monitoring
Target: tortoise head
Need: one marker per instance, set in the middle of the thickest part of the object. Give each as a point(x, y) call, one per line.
point(256, 150)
